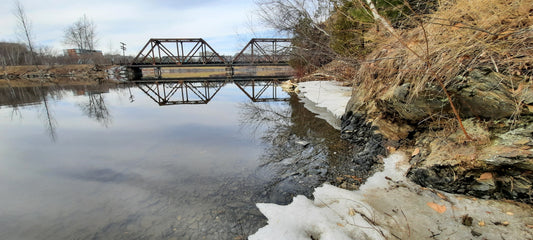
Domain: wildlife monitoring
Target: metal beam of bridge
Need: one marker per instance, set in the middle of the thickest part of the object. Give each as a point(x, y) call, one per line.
point(164, 53)
point(264, 51)
point(180, 51)
point(177, 51)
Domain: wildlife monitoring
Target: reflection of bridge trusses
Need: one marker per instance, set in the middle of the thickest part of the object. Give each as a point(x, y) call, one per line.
point(261, 91)
point(181, 92)
point(201, 92)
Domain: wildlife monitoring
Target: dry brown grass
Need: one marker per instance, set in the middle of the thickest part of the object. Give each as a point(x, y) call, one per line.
point(460, 36)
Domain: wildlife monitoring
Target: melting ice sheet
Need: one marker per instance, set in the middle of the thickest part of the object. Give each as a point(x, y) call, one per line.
point(328, 99)
point(334, 214)
point(389, 206)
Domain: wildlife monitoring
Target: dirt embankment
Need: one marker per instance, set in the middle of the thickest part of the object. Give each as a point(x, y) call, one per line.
point(421, 87)
point(56, 74)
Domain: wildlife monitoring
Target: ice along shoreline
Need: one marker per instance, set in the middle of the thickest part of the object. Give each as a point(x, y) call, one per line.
point(388, 205)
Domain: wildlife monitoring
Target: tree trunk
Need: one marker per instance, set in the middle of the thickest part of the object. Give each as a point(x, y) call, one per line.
point(378, 17)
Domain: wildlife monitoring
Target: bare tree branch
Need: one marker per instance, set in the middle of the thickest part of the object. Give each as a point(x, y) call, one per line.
point(81, 34)
point(25, 28)
point(284, 15)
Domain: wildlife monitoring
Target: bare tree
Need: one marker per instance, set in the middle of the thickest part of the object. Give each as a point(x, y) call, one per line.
point(25, 28)
point(285, 15)
point(304, 21)
point(82, 34)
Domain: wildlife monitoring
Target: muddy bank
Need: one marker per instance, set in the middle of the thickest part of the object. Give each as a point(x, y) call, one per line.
point(81, 74)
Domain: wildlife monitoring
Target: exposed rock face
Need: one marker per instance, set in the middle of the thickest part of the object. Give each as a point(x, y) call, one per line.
point(502, 168)
point(484, 94)
point(498, 163)
point(417, 108)
point(369, 145)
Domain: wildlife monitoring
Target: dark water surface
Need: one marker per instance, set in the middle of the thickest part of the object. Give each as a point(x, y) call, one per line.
point(97, 162)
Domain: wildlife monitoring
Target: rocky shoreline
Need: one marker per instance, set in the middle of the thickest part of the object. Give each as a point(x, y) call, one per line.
point(30, 75)
point(390, 204)
point(495, 163)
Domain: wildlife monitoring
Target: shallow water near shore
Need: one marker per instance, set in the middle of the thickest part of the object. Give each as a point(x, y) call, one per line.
point(96, 162)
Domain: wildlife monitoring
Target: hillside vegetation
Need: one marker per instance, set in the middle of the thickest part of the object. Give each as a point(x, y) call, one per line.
point(451, 82)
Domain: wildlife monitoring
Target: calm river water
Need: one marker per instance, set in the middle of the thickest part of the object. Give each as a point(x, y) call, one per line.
point(97, 162)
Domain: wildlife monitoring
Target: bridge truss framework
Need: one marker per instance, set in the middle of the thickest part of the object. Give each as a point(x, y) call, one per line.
point(194, 52)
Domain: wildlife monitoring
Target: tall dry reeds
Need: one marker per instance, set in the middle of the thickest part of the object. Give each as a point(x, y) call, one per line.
point(460, 36)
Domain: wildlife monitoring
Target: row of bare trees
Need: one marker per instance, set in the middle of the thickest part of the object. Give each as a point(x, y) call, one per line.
point(81, 34)
point(13, 54)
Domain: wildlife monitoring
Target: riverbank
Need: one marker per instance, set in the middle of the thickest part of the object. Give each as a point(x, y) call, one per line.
point(390, 205)
point(78, 74)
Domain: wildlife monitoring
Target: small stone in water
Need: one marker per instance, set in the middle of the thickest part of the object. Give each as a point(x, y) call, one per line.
point(302, 143)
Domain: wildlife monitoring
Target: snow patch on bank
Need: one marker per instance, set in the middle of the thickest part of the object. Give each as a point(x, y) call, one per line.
point(334, 214)
point(327, 94)
point(389, 206)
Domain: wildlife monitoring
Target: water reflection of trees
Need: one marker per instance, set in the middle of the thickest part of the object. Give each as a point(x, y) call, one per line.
point(17, 97)
point(48, 117)
point(284, 126)
point(96, 108)
point(272, 121)
point(300, 149)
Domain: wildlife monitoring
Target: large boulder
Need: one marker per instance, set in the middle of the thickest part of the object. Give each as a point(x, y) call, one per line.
point(414, 108)
point(484, 94)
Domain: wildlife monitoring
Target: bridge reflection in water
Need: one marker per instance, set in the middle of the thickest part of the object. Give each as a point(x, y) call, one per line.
point(201, 91)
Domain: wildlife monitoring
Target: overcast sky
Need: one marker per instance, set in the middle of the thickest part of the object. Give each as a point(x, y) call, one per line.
point(227, 25)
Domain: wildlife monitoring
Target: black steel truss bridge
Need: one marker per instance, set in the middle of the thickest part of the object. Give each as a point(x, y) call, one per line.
point(165, 55)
